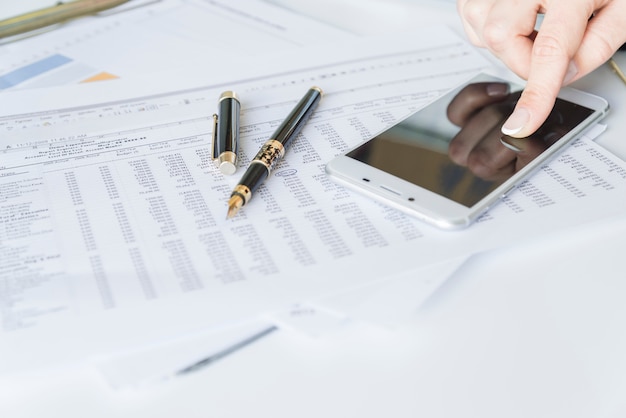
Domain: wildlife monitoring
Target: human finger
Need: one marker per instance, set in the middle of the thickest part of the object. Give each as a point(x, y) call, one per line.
point(473, 14)
point(528, 148)
point(604, 35)
point(551, 65)
point(509, 32)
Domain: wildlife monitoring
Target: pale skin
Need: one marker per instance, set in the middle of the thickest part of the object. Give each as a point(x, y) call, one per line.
point(576, 37)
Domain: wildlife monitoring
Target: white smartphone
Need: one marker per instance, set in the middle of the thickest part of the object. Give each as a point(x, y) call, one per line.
point(448, 162)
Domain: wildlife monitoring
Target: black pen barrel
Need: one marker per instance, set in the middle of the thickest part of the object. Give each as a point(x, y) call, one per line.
point(293, 124)
point(254, 176)
point(228, 131)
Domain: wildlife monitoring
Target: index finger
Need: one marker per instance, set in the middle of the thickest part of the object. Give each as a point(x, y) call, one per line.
point(551, 65)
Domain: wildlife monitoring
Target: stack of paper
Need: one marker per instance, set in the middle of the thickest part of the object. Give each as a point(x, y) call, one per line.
point(114, 246)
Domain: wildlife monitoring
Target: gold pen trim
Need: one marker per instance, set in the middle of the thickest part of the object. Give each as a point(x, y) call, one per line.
point(214, 137)
point(228, 95)
point(270, 153)
point(227, 162)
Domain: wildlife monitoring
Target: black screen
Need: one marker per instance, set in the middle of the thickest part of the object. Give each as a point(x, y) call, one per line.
point(428, 150)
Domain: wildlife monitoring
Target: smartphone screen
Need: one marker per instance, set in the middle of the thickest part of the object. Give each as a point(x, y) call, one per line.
point(421, 149)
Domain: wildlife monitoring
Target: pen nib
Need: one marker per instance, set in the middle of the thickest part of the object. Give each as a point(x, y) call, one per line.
point(234, 204)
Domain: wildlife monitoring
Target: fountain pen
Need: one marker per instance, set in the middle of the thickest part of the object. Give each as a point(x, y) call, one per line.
point(272, 151)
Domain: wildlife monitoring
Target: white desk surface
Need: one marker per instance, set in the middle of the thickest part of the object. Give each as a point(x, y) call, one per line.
point(533, 330)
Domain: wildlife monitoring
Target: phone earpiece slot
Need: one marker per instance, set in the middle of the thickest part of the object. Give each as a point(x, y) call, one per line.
point(390, 190)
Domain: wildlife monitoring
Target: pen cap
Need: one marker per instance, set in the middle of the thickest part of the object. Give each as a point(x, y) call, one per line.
point(226, 137)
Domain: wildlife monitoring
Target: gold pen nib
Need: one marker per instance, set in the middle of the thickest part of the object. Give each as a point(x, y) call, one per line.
point(234, 204)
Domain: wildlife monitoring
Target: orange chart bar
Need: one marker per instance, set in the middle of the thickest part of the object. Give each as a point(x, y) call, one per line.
point(100, 77)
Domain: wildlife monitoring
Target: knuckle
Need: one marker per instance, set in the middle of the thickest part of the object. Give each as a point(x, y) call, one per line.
point(495, 35)
point(473, 13)
point(549, 46)
point(536, 96)
point(603, 48)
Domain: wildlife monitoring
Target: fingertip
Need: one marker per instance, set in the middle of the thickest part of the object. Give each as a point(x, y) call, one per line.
point(531, 111)
point(517, 123)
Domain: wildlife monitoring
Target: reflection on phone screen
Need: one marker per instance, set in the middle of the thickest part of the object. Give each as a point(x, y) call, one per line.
point(463, 163)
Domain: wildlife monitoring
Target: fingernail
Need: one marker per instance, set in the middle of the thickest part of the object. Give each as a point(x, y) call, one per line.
point(516, 121)
point(497, 89)
point(572, 70)
point(507, 141)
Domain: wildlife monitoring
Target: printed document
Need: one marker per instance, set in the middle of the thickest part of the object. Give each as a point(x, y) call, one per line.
point(113, 214)
point(142, 37)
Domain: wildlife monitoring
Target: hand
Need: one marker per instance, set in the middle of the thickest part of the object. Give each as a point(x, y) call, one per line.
point(569, 44)
point(480, 109)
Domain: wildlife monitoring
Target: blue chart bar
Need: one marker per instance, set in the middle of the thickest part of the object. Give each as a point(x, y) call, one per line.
point(29, 71)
